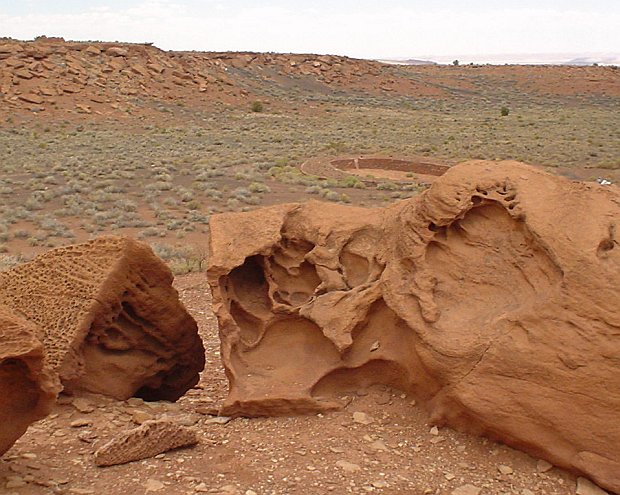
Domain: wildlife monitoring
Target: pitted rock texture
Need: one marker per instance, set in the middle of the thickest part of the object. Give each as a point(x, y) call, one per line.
point(110, 320)
point(148, 440)
point(27, 390)
point(493, 298)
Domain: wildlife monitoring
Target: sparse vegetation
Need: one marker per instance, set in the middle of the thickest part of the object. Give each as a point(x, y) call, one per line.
point(162, 181)
point(257, 107)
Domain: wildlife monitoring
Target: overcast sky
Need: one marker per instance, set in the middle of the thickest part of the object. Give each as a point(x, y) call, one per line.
point(361, 28)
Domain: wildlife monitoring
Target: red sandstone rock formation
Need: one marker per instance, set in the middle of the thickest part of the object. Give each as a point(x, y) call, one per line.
point(110, 320)
point(27, 390)
point(493, 298)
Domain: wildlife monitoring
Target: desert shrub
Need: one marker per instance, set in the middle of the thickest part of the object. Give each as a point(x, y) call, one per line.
point(387, 186)
point(187, 196)
point(313, 189)
point(193, 205)
point(182, 259)
point(151, 232)
point(504, 111)
point(257, 187)
point(353, 182)
point(8, 261)
point(257, 107)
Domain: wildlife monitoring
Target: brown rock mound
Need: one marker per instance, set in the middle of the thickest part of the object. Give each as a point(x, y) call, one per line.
point(27, 390)
point(493, 298)
point(111, 321)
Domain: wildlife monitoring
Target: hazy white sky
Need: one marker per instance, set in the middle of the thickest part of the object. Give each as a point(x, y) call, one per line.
point(362, 28)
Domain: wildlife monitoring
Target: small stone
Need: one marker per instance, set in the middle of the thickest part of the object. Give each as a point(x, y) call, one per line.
point(379, 446)
point(586, 487)
point(31, 98)
point(201, 488)
point(83, 405)
point(15, 483)
point(139, 417)
point(347, 466)
point(375, 345)
point(336, 450)
point(29, 455)
point(379, 484)
point(78, 423)
point(449, 476)
point(250, 492)
point(543, 466)
point(505, 469)
point(152, 485)
point(434, 431)
point(218, 420)
point(362, 418)
point(228, 490)
point(525, 491)
point(81, 491)
point(466, 490)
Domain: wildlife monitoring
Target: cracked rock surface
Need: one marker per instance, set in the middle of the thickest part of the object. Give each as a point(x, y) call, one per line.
point(492, 298)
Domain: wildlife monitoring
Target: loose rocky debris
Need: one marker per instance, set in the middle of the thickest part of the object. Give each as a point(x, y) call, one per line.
point(148, 440)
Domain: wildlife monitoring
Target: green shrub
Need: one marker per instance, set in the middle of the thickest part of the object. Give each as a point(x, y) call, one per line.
point(504, 111)
point(257, 107)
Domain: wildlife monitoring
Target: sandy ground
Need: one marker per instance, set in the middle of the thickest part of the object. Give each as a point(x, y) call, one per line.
point(389, 448)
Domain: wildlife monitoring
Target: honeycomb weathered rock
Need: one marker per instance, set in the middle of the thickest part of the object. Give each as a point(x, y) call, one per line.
point(148, 440)
point(110, 320)
point(493, 298)
point(27, 390)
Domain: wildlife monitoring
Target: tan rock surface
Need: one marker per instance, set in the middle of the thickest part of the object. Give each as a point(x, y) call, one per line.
point(28, 391)
point(148, 440)
point(492, 298)
point(111, 322)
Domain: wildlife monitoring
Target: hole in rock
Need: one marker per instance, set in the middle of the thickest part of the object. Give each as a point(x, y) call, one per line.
point(375, 372)
point(356, 268)
point(248, 288)
point(604, 246)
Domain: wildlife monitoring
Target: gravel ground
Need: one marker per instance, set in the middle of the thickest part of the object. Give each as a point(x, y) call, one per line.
point(379, 442)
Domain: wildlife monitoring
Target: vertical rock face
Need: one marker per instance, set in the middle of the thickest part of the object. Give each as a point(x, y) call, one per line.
point(493, 297)
point(110, 320)
point(27, 391)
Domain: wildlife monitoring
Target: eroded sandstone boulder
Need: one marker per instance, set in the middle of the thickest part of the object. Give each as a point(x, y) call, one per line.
point(110, 320)
point(493, 298)
point(27, 390)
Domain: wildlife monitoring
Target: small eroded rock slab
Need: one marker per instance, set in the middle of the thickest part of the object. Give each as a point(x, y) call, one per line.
point(148, 440)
